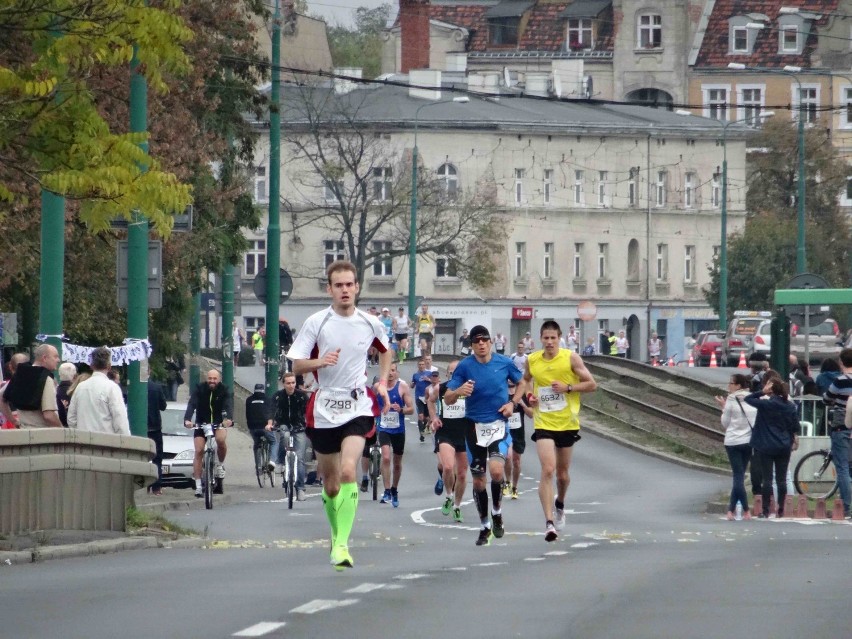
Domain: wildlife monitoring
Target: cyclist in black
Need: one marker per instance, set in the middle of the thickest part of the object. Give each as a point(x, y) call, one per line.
point(259, 412)
point(290, 406)
point(211, 403)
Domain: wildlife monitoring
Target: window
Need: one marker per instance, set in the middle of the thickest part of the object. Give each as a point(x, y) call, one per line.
point(716, 102)
point(789, 36)
point(330, 190)
point(716, 191)
point(847, 103)
point(808, 103)
point(519, 186)
point(446, 267)
point(751, 104)
point(580, 34)
point(662, 262)
point(660, 188)
point(383, 264)
point(689, 264)
point(252, 325)
point(689, 190)
point(578, 187)
point(846, 196)
point(333, 251)
point(261, 188)
point(603, 195)
point(650, 31)
point(578, 260)
point(548, 185)
point(504, 30)
point(382, 184)
point(520, 259)
point(739, 40)
point(255, 258)
point(633, 186)
point(449, 176)
point(547, 270)
point(603, 254)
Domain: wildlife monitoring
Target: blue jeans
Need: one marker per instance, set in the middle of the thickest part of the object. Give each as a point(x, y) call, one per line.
point(257, 436)
point(300, 445)
point(739, 457)
point(840, 457)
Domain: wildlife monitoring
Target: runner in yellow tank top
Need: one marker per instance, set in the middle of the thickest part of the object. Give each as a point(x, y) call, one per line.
point(556, 376)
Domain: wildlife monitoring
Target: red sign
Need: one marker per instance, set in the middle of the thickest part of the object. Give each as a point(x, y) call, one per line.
point(522, 312)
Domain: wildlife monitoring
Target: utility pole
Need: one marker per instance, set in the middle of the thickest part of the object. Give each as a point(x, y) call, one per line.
point(273, 228)
point(137, 266)
point(227, 328)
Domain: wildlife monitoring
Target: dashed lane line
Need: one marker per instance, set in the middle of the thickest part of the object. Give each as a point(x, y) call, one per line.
point(260, 629)
point(318, 605)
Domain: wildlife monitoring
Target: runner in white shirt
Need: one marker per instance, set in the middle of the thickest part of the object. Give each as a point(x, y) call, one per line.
point(519, 358)
point(333, 345)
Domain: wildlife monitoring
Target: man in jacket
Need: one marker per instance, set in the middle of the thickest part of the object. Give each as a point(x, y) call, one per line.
point(290, 407)
point(258, 418)
point(29, 399)
point(156, 404)
point(97, 404)
point(211, 403)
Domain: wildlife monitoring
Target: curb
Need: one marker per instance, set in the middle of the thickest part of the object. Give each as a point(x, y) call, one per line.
point(87, 549)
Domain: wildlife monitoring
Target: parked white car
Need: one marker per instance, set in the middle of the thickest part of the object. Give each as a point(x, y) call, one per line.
point(178, 449)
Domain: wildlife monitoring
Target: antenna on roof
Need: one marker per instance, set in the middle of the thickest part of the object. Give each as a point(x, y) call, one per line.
point(507, 78)
point(557, 85)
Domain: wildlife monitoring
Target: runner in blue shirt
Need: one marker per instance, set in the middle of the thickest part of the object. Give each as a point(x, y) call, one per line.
point(392, 433)
point(484, 380)
point(421, 380)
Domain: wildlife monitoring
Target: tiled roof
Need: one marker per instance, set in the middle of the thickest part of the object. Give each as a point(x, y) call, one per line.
point(544, 31)
point(715, 46)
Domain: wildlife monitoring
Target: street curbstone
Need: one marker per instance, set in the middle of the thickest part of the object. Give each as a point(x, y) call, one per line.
point(14, 557)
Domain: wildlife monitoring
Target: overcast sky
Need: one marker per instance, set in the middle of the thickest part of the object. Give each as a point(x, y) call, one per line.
point(341, 11)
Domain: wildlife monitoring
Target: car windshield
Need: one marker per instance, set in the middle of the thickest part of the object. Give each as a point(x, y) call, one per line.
point(173, 423)
point(826, 329)
point(766, 329)
point(713, 337)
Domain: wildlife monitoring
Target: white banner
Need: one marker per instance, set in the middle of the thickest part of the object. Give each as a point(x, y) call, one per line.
point(133, 350)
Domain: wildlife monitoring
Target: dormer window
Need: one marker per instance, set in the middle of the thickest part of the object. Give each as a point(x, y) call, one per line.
point(504, 21)
point(580, 34)
point(793, 30)
point(743, 31)
point(789, 40)
point(740, 40)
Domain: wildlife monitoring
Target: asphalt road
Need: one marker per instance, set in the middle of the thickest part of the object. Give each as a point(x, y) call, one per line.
point(638, 558)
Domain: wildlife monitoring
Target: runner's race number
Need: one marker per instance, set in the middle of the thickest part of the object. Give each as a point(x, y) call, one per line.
point(490, 432)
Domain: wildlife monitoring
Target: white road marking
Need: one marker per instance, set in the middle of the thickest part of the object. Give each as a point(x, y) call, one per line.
point(260, 629)
point(534, 559)
point(318, 605)
point(556, 553)
point(364, 588)
point(585, 544)
point(487, 564)
point(411, 576)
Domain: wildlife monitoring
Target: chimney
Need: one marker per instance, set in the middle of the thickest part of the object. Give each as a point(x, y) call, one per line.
point(414, 34)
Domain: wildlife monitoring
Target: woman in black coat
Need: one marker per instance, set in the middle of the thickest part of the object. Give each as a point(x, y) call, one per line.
point(775, 436)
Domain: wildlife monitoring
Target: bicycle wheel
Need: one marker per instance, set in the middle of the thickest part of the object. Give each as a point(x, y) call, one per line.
point(209, 479)
point(815, 475)
point(259, 465)
point(291, 479)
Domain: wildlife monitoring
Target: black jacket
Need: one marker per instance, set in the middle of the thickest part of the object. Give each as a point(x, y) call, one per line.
point(776, 422)
point(258, 410)
point(62, 401)
point(156, 403)
point(290, 409)
point(211, 406)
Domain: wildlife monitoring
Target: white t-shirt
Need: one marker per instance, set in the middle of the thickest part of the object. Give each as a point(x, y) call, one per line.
point(324, 332)
point(520, 361)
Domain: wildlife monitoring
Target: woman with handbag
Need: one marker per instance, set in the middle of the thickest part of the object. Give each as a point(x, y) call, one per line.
point(775, 437)
point(737, 419)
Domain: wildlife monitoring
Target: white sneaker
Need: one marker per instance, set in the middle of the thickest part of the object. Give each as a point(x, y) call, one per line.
point(198, 492)
point(219, 472)
point(271, 466)
point(300, 494)
point(559, 519)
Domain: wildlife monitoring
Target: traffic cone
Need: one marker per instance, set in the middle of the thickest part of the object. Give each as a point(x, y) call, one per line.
point(837, 512)
point(742, 363)
point(819, 511)
point(802, 507)
point(691, 361)
point(713, 363)
point(655, 362)
point(671, 362)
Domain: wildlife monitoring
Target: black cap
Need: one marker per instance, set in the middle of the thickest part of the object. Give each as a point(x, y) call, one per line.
point(479, 331)
point(259, 387)
point(757, 357)
point(436, 374)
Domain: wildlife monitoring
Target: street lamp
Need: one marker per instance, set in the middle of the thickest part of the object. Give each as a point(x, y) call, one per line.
point(800, 200)
point(412, 240)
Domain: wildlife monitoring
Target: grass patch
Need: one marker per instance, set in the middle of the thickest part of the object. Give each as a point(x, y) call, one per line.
point(140, 521)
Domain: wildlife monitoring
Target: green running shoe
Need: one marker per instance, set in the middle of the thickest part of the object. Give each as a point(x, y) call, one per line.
point(447, 507)
point(340, 558)
point(457, 516)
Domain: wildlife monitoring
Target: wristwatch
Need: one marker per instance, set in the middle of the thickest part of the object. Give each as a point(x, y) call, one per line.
point(570, 388)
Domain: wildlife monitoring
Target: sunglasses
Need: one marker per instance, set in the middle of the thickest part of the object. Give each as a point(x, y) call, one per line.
point(480, 340)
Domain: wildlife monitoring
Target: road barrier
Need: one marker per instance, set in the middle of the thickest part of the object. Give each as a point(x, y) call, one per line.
point(61, 478)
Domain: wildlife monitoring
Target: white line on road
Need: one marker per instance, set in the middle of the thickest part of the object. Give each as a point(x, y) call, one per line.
point(556, 553)
point(364, 588)
point(318, 605)
point(411, 576)
point(260, 629)
point(533, 558)
point(487, 564)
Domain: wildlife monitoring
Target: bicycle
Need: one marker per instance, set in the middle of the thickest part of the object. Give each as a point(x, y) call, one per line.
point(291, 467)
point(261, 464)
point(208, 464)
point(815, 475)
point(375, 456)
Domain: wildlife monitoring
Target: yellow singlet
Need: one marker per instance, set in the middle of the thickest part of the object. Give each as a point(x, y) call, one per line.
point(555, 411)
